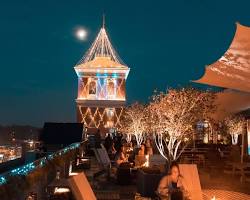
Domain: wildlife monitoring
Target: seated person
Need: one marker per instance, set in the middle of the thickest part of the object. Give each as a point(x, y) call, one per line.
point(108, 141)
point(141, 151)
point(129, 146)
point(149, 149)
point(121, 156)
point(140, 156)
point(112, 151)
point(172, 186)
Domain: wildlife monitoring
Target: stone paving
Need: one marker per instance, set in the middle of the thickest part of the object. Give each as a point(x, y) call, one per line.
point(224, 195)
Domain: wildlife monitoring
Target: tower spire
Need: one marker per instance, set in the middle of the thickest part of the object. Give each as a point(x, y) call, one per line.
point(101, 47)
point(103, 20)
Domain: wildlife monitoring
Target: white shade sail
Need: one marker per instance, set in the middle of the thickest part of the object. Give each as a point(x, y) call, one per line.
point(231, 102)
point(232, 70)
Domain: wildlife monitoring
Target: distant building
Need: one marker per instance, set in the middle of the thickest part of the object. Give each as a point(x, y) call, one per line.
point(101, 86)
point(57, 135)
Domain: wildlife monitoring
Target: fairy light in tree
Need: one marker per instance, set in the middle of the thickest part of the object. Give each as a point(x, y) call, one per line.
point(235, 125)
point(134, 123)
point(172, 116)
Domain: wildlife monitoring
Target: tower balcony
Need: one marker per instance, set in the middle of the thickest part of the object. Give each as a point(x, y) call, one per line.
point(101, 103)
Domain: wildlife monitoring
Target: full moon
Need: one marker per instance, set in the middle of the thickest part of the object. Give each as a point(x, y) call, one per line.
point(81, 34)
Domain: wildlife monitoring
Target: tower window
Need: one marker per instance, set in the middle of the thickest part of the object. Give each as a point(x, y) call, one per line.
point(110, 112)
point(92, 88)
point(111, 89)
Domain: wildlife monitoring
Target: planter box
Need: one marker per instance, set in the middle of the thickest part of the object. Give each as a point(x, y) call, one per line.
point(123, 175)
point(147, 183)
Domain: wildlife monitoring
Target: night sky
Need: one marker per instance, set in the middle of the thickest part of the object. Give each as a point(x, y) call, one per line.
point(165, 43)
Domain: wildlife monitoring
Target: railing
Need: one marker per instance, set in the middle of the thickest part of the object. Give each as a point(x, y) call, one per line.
point(28, 168)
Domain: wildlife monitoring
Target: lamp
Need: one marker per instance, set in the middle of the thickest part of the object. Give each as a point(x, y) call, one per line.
point(59, 190)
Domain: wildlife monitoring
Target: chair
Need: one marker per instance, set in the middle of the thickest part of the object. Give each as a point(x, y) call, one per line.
point(104, 158)
point(103, 161)
point(81, 188)
point(191, 180)
point(105, 153)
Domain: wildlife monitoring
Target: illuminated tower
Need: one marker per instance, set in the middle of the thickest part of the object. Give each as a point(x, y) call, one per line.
point(101, 85)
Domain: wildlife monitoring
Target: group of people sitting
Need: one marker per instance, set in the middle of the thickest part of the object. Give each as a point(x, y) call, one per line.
point(172, 186)
point(122, 151)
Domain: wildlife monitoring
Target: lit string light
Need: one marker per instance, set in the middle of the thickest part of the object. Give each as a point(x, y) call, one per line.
point(99, 114)
point(100, 67)
point(26, 169)
point(101, 47)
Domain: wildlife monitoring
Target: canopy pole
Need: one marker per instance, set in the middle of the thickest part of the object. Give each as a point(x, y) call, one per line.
point(242, 147)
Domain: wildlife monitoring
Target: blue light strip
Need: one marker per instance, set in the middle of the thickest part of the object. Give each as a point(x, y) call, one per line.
point(26, 169)
point(2, 180)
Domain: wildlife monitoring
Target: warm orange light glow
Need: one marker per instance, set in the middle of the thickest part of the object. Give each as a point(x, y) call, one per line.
point(147, 161)
point(101, 84)
point(114, 99)
point(61, 190)
point(93, 117)
point(73, 173)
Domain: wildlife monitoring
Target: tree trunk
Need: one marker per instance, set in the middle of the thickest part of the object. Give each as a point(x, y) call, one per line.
point(234, 139)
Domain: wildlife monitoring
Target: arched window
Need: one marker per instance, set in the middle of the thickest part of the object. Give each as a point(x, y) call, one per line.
point(92, 87)
point(111, 89)
point(110, 112)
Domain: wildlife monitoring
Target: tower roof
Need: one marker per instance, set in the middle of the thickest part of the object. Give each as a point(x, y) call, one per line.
point(101, 47)
point(102, 62)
